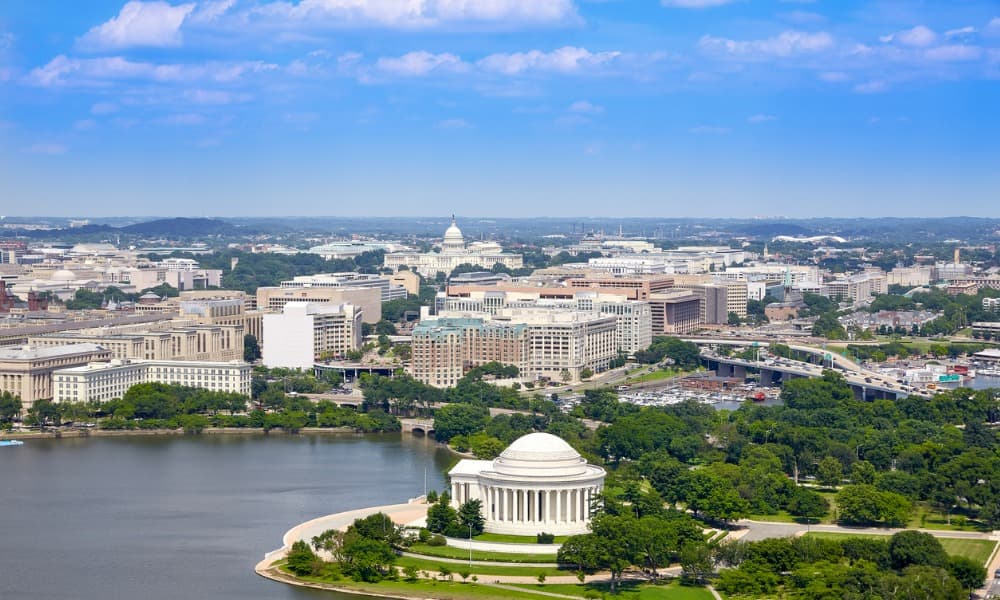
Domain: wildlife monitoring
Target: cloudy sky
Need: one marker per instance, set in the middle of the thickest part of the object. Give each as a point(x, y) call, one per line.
point(500, 107)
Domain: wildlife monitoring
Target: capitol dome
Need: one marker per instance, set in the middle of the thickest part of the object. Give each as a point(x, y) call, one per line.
point(453, 238)
point(63, 275)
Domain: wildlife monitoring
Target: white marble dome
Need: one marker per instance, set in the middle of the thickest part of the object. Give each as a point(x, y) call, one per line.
point(538, 483)
point(63, 275)
point(453, 238)
point(540, 455)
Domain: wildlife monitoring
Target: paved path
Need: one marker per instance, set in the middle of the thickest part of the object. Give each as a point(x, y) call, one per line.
point(482, 563)
point(759, 530)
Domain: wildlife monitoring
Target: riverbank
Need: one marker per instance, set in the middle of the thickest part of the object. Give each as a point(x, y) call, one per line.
point(82, 433)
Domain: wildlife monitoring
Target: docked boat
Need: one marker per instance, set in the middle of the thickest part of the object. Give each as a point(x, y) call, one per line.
point(11, 443)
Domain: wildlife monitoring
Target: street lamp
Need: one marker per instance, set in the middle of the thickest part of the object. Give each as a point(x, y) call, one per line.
point(470, 546)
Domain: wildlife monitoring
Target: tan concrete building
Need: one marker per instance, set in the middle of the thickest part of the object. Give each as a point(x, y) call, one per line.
point(198, 342)
point(109, 380)
point(408, 280)
point(675, 312)
point(26, 371)
point(272, 299)
point(639, 286)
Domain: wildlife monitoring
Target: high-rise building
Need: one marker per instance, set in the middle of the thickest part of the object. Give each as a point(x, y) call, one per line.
point(304, 331)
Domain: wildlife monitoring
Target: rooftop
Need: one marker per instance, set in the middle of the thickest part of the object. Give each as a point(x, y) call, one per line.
point(35, 352)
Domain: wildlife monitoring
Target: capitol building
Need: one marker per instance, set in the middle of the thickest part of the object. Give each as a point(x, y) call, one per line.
point(538, 484)
point(454, 252)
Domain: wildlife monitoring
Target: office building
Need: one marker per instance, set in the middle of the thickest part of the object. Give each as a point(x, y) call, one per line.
point(304, 331)
point(109, 380)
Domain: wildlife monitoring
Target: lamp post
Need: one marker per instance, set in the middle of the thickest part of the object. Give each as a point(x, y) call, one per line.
point(470, 546)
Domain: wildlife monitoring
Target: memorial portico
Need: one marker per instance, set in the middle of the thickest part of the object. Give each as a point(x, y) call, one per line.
point(538, 484)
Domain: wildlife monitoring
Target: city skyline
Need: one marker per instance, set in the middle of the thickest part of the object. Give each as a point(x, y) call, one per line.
point(680, 108)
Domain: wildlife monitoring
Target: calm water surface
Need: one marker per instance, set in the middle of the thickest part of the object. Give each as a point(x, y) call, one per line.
point(185, 517)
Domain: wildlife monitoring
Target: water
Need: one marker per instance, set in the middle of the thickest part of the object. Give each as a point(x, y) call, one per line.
point(185, 517)
point(982, 383)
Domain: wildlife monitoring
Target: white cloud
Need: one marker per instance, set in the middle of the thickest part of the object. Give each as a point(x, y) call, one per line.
point(994, 25)
point(695, 3)
point(710, 130)
point(156, 24)
point(453, 124)
point(184, 119)
point(212, 10)
point(48, 149)
point(300, 118)
point(63, 70)
point(585, 107)
point(871, 87)
point(955, 52)
point(761, 118)
point(787, 43)
point(6, 40)
point(962, 31)
point(85, 125)
point(593, 148)
point(218, 97)
point(834, 76)
point(103, 108)
point(410, 14)
point(918, 37)
point(421, 62)
point(567, 59)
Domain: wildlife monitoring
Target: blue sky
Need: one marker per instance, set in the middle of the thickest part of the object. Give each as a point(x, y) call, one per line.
point(704, 108)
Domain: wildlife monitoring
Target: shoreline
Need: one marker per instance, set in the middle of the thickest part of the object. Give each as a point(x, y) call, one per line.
point(84, 433)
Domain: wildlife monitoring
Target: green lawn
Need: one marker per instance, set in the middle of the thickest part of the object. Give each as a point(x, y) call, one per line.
point(429, 564)
point(629, 591)
point(451, 552)
point(654, 376)
point(515, 539)
point(425, 588)
point(977, 550)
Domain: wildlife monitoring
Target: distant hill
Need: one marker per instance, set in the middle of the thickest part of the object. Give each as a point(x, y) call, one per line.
point(772, 229)
point(183, 227)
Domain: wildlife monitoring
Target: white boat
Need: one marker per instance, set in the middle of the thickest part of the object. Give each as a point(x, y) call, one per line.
point(11, 443)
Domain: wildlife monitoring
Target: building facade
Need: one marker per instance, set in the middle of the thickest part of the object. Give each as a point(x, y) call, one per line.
point(304, 331)
point(454, 252)
point(26, 371)
point(538, 484)
point(105, 381)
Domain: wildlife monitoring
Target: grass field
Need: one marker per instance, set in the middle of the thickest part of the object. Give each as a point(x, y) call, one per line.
point(429, 564)
point(629, 591)
point(654, 376)
point(514, 539)
point(451, 552)
point(977, 550)
point(424, 588)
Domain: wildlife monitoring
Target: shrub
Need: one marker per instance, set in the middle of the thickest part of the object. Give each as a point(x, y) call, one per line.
point(423, 535)
point(545, 538)
point(437, 540)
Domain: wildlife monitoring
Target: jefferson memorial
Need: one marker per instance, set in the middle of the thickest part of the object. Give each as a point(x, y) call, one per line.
point(538, 484)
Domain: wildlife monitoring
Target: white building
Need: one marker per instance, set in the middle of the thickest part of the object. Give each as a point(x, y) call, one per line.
point(453, 253)
point(103, 381)
point(304, 330)
point(347, 280)
point(539, 484)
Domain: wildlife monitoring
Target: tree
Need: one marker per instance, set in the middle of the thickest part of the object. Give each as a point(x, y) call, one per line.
point(585, 552)
point(916, 548)
point(808, 504)
point(459, 419)
point(829, 472)
point(866, 505)
point(441, 517)
point(301, 560)
point(10, 407)
point(926, 583)
point(470, 515)
point(969, 573)
point(733, 319)
point(42, 412)
point(251, 348)
point(696, 562)
point(586, 373)
point(862, 472)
